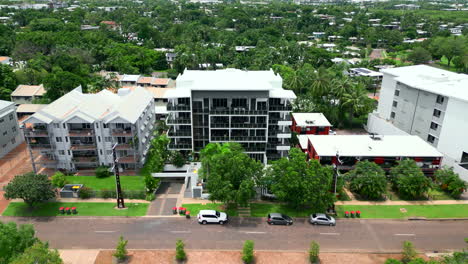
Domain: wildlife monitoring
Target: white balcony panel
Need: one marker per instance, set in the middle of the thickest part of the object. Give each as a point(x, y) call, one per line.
point(285, 123)
point(284, 135)
point(283, 147)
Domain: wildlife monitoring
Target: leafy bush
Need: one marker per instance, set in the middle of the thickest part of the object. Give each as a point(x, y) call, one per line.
point(409, 253)
point(151, 183)
point(368, 180)
point(314, 252)
point(121, 251)
point(180, 251)
point(177, 159)
point(247, 252)
point(450, 182)
point(150, 197)
point(393, 261)
point(102, 172)
point(409, 180)
point(106, 194)
point(58, 180)
point(134, 194)
point(86, 192)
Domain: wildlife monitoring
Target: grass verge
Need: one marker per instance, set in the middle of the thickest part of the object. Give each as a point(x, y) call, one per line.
point(83, 209)
point(195, 208)
point(127, 182)
point(396, 211)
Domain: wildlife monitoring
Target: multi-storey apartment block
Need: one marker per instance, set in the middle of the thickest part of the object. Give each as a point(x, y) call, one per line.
point(10, 135)
point(430, 103)
point(248, 107)
point(77, 131)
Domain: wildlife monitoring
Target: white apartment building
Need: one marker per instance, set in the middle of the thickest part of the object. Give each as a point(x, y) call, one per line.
point(248, 107)
point(77, 131)
point(10, 135)
point(430, 103)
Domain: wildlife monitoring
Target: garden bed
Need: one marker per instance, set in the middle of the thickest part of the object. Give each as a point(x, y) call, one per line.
point(84, 209)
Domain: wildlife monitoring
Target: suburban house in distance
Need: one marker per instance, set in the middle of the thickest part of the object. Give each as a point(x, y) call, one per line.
point(248, 107)
point(77, 131)
point(10, 135)
point(25, 94)
point(430, 103)
point(345, 150)
point(310, 123)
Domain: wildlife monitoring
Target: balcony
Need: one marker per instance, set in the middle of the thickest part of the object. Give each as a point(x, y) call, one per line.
point(85, 159)
point(178, 107)
point(124, 147)
point(176, 121)
point(40, 146)
point(119, 132)
point(127, 159)
point(237, 111)
point(43, 159)
point(217, 138)
point(246, 138)
point(36, 132)
point(81, 132)
point(280, 108)
point(174, 146)
point(248, 125)
point(180, 133)
point(219, 125)
point(83, 146)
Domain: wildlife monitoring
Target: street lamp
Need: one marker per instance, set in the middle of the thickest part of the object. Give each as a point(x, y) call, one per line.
point(120, 199)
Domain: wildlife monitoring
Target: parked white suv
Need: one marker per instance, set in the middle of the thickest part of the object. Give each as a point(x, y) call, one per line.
point(211, 216)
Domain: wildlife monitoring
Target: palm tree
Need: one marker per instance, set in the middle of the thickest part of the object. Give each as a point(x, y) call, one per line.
point(355, 100)
point(321, 80)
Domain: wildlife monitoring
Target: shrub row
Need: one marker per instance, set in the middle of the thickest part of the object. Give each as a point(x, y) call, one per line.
point(87, 192)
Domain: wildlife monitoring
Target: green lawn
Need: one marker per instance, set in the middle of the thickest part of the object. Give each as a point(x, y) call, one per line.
point(262, 210)
point(84, 209)
point(393, 211)
point(195, 208)
point(127, 182)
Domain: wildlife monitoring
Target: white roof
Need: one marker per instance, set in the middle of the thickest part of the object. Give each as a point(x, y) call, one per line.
point(303, 141)
point(4, 104)
point(129, 78)
point(366, 72)
point(310, 119)
point(365, 146)
point(432, 80)
point(105, 106)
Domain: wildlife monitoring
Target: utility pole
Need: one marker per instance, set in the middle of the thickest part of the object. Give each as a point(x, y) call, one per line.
point(120, 199)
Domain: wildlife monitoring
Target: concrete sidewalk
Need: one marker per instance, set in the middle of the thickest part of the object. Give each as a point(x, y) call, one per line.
point(90, 200)
point(402, 202)
point(78, 256)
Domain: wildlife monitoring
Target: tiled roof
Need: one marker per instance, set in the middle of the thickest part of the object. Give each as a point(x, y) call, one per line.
point(29, 90)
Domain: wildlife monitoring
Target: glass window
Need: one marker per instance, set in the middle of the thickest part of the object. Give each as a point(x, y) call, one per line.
point(58, 139)
point(392, 115)
point(397, 92)
point(440, 99)
point(437, 113)
point(61, 152)
point(430, 139)
point(434, 125)
point(395, 103)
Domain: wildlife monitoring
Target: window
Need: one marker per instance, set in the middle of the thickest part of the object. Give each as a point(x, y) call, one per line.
point(434, 126)
point(430, 139)
point(108, 139)
point(440, 99)
point(5, 133)
point(13, 129)
point(64, 126)
point(1, 120)
point(464, 158)
point(97, 125)
point(99, 138)
point(58, 139)
point(66, 139)
point(61, 152)
point(100, 151)
point(4, 146)
point(397, 92)
point(13, 141)
point(11, 116)
point(436, 113)
point(219, 103)
point(395, 103)
point(392, 115)
point(56, 125)
point(69, 154)
point(105, 125)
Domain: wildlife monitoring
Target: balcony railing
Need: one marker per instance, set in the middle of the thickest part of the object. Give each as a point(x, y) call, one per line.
point(219, 125)
point(180, 133)
point(230, 111)
point(246, 138)
point(45, 160)
point(118, 132)
point(178, 107)
point(40, 146)
point(249, 125)
point(217, 138)
point(175, 121)
point(201, 110)
point(280, 108)
point(124, 147)
point(180, 146)
point(91, 159)
point(128, 159)
point(83, 146)
point(80, 132)
point(36, 132)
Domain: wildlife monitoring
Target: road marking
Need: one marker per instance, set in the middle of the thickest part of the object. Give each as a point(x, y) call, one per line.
point(181, 232)
point(253, 232)
point(104, 231)
point(404, 234)
point(330, 234)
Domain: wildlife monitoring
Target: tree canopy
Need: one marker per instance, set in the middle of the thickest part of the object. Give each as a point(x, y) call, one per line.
point(14, 240)
point(32, 188)
point(409, 179)
point(368, 179)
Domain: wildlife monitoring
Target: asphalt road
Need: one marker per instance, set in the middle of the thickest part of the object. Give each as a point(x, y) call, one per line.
point(352, 235)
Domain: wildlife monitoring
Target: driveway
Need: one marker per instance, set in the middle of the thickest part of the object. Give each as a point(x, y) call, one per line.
point(167, 196)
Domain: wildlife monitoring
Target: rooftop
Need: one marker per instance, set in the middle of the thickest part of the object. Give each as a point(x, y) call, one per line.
point(29, 108)
point(310, 119)
point(77, 107)
point(4, 104)
point(432, 80)
point(366, 146)
point(29, 90)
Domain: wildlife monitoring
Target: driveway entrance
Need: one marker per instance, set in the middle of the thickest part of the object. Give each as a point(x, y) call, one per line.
point(167, 195)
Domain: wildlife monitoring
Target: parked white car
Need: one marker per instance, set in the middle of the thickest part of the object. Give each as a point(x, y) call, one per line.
point(211, 216)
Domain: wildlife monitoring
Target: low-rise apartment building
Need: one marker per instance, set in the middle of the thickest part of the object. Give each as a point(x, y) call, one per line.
point(428, 102)
point(25, 94)
point(10, 134)
point(310, 123)
point(77, 131)
point(248, 107)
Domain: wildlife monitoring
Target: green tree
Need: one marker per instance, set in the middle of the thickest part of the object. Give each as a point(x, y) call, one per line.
point(177, 159)
point(409, 179)
point(14, 240)
point(121, 249)
point(59, 82)
point(8, 82)
point(355, 101)
point(301, 183)
point(38, 253)
point(32, 188)
point(180, 251)
point(314, 252)
point(450, 182)
point(58, 180)
point(409, 253)
point(102, 172)
point(247, 252)
point(157, 155)
point(226, 168)
point(419, 56)
point(151, 183)
point(368, 180)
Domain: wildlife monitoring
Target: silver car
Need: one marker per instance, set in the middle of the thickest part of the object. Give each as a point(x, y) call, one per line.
point(322, 219)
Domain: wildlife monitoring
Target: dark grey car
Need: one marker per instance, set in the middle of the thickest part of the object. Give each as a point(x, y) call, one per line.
point(279, 219)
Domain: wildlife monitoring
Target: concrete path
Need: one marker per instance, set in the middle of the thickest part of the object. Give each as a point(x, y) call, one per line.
point(78, 256)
